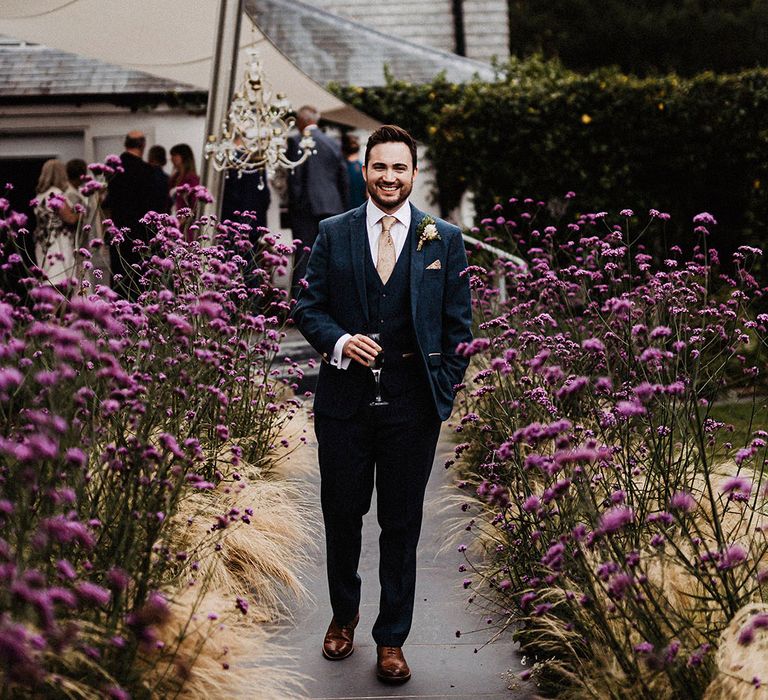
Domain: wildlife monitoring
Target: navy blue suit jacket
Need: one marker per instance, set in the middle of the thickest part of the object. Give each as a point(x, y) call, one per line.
point(335, 303)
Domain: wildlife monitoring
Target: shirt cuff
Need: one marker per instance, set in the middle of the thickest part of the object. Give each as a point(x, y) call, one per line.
point(337, 359)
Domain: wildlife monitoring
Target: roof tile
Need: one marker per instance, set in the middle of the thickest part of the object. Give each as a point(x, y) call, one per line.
point(28, 70)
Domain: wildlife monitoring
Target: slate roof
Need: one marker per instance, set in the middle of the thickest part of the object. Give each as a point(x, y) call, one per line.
point(29, 70)
point(331, 48)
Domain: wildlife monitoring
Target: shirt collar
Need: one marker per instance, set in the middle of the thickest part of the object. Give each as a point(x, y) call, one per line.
point(403, 214)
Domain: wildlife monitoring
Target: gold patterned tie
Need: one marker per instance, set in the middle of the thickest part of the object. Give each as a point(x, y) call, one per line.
point(385, 260)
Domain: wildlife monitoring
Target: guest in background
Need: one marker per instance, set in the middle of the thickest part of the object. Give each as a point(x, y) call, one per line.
point(318, 188)
point(129, 197)
point(156, 158)
point(246, 192)
point(184, 173)
point(76, 171)
point(350, 147)
point(90, 228)
point(56, 222)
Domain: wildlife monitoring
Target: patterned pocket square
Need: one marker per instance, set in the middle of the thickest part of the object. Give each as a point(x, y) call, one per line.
point(434, 266)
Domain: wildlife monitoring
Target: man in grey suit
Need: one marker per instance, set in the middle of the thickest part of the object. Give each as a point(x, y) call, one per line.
point(317, 189)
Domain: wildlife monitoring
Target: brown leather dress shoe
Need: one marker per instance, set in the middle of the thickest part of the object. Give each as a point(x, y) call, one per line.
point(391, 666)
point(339, 639)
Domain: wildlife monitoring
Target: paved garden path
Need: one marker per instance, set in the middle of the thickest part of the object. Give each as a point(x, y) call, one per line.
point(442, 665)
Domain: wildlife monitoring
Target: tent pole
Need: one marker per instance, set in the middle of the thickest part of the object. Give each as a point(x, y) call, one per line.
point(223, 78)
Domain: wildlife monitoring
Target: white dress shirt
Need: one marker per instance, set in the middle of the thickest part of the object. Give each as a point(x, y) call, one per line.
point(399, 232)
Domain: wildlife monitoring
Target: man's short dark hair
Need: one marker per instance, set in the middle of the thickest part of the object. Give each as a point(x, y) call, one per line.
point(156, 156)
point(76, 170)
point(135, 141)
point(389, 133)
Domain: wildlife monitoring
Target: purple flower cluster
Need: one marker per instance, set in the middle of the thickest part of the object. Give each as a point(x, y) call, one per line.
point(591, 407)
point(113, 412)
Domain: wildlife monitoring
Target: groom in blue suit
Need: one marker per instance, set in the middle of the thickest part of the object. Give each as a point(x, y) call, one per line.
point(389, 270)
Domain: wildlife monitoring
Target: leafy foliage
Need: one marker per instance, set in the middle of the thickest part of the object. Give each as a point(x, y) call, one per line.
point(684, 145)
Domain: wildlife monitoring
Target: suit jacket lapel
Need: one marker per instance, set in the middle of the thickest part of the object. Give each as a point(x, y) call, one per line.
point(358, 232)
point(417, 259)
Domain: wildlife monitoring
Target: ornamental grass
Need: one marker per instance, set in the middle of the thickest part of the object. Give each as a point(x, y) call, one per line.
point(144, 530)
point(623, 530)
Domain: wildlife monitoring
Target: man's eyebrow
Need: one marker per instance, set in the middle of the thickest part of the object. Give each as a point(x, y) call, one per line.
point(399, 164)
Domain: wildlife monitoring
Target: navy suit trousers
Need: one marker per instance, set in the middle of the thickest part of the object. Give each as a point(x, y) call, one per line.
point(392, 447)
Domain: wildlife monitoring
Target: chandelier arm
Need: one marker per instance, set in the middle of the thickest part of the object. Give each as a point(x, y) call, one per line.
point(254, 136)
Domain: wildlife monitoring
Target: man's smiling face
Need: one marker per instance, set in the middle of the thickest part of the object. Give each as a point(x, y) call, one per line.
point(389, 175)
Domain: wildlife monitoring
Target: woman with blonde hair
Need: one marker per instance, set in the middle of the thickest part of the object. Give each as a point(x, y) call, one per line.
point(56, 223)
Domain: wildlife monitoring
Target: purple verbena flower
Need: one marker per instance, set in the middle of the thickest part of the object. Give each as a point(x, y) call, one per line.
point(683, 501)
point(704, 218)
point(628, 409)
point(593, 345)
point(92, 594)
point(615, 519)
point(737, 487)
point(732, 557)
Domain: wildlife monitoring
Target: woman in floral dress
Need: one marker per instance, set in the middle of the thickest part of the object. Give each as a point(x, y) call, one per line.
point(56, 223)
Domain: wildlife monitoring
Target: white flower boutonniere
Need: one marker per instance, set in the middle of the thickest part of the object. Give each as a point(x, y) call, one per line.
point(427, 231)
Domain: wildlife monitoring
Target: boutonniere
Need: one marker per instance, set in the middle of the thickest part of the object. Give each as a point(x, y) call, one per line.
point(427, 231)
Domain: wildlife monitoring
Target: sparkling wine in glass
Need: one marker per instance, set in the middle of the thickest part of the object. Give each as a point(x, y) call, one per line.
point(376, 369)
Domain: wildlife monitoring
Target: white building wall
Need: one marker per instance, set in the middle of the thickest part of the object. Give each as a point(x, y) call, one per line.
point(92, 132)
point(486, 29)
point(63, 146)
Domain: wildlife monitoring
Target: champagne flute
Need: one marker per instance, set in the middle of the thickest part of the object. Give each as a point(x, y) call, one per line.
point(376, 369)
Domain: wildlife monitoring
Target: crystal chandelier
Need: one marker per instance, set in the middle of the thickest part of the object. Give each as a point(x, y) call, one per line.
point(254, 136)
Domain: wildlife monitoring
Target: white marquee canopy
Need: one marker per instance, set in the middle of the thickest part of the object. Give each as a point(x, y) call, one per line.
point(173, 40)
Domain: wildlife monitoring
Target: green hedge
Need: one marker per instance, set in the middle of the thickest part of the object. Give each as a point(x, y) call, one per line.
point(680, 146)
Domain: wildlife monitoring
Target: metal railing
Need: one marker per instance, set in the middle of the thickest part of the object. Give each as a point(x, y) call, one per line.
point(501, 279)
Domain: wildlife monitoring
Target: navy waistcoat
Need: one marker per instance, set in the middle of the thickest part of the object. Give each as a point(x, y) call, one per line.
point(389, 313)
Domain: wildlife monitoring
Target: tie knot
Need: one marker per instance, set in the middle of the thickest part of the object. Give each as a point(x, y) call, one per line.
point(386, 223)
